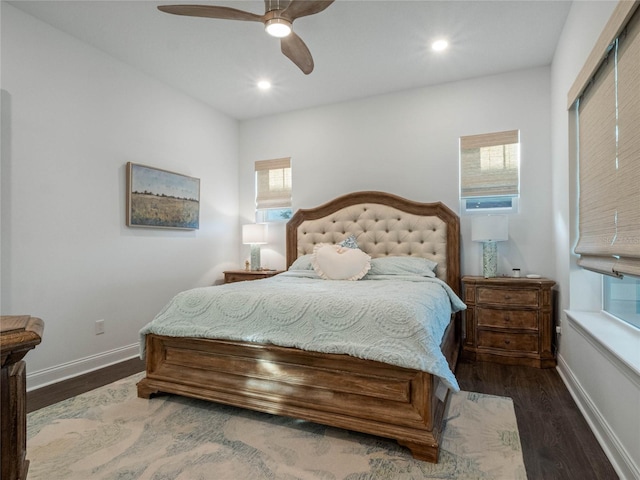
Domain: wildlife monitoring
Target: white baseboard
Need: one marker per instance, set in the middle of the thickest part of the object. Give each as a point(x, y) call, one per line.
point(621, 461)
point(48, 376)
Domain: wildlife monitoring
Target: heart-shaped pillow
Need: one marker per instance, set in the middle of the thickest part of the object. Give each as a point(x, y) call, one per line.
point(333, 262)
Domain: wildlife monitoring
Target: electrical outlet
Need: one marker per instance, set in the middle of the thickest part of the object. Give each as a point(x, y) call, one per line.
point(99, 327)
point(558, 329)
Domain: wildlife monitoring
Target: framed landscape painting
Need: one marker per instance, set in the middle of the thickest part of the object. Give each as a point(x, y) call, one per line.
point(158, 198)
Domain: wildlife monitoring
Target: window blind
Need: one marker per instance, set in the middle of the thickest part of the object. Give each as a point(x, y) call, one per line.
point(273, 183)
point(627, 241)
point(608, 113)
point(489, 164)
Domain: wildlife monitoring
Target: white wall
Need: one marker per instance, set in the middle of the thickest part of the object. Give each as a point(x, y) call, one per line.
point(606, 388)
point(407, 143)
point(72, 118)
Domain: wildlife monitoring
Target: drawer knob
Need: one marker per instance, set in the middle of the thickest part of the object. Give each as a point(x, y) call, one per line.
point(507, 342)
point(507, 297)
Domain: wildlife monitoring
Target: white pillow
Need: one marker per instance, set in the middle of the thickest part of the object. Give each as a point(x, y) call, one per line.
point(333, 262)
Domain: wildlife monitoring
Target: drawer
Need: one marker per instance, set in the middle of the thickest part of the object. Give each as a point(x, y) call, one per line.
point(232, 277)
point(506, 296)
point(243, 277)
point(493, 317)
point(520, 342)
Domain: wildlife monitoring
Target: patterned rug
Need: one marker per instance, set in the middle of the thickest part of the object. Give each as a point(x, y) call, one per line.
point(111, 434)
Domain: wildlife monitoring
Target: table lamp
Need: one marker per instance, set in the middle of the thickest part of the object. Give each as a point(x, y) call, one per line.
point(255, 234)
point(489, 230)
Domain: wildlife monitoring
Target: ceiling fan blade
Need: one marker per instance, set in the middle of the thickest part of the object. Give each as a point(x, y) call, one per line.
point(295, 49)
point(302, 8)
point(210, 11)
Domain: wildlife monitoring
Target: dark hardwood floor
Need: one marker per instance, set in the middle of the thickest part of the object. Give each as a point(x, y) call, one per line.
point(556, 441)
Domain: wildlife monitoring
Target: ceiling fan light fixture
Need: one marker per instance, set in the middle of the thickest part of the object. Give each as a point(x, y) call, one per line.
point(278, 18)
point(278, 27)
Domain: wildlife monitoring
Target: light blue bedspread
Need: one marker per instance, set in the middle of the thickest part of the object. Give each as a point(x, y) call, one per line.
point(394, 319)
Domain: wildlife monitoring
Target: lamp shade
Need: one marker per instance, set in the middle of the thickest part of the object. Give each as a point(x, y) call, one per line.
point(254, 233)
point(490, 228)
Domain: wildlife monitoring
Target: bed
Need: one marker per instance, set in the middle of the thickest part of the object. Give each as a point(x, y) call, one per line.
point(336, 389)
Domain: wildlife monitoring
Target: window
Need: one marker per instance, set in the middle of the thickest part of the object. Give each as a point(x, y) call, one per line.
point(622, 298)
point(273, 190)
point(608, 142)
point(490, 172)
point(606, 102)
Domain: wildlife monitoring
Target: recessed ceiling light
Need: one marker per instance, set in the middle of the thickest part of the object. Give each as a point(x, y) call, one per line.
point(439, 45)
point(264, 84)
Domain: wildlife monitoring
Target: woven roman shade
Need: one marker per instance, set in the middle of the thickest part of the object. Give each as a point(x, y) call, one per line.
point(489, 164)
point(627, 242)
point(609, 160)
point(273, 183)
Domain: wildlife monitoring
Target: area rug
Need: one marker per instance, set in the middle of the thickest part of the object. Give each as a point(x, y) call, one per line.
point(110, 434)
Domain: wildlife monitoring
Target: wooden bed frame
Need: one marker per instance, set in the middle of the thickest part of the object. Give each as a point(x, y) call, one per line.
point(336, 390)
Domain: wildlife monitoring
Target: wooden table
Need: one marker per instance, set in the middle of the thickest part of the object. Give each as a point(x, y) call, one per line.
point(18, 335)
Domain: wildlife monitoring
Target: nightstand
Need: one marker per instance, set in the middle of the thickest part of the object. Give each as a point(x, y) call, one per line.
point(231, 276)
point(509, 321)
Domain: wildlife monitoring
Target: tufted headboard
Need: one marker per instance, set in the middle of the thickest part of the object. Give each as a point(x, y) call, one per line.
point(383, 224)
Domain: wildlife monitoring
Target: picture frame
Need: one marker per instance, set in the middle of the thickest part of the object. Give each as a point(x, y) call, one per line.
point(158, 198)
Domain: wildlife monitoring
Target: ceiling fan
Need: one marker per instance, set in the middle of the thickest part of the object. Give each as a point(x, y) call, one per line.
point(278, 19)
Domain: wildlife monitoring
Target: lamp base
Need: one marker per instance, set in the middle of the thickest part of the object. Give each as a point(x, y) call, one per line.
point(489, 259)
point(255, 257)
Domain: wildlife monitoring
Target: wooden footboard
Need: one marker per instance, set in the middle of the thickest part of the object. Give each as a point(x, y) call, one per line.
point(335, 390)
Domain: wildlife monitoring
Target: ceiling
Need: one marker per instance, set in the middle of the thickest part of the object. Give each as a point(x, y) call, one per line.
point(361, 48)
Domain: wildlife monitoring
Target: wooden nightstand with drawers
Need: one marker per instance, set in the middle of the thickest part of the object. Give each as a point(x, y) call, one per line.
point(231, 276)
point(509, 321)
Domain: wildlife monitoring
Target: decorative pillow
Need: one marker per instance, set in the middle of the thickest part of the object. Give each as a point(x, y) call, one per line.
point(349, 242)
point(302, 263)
point(403, 265)
point(333, 262)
